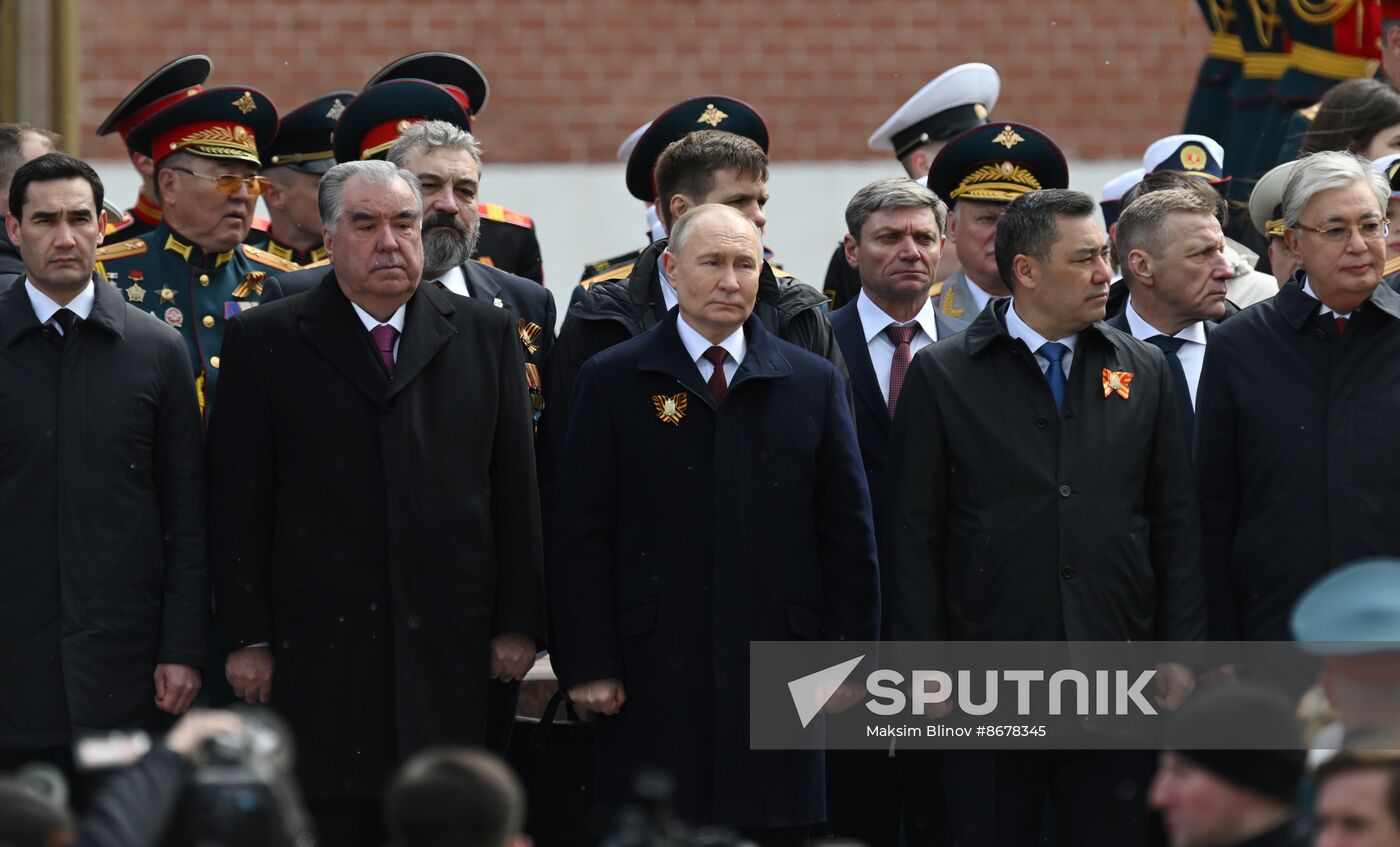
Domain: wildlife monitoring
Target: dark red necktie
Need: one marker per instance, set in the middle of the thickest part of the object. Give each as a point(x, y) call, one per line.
point(900, 336)
point(718, 385)
point(1341, 326)
point(384, 337)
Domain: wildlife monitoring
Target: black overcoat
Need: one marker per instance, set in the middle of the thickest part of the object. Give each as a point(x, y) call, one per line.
point(1008, 521)
point(376, 532)
point(683, 541)
point(1298, 465)
point(105, 572)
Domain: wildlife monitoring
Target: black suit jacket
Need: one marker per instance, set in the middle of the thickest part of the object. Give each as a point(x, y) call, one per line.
point(1008, 520)
point(377, 532)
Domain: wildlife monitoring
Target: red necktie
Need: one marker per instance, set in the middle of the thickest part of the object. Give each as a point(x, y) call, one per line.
point(899, 365)
point(1341, 325)
point(384, 337)
point(718, 385)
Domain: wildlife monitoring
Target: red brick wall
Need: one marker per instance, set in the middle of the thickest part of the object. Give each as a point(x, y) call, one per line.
point(570, 78)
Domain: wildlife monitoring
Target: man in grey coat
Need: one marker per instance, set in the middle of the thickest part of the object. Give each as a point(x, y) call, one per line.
point(104, 586)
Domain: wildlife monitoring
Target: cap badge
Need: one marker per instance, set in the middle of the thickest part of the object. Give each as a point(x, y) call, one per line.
point(1193, 158)
point(1007, 169)
point(1008, 137)
point(245, 103)
point(980, 111)
point(670, 409)
point(711, 116)
point(336, 108)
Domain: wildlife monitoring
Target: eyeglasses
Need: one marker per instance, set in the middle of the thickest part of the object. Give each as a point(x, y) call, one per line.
point(1370, 231)
point(229, 183)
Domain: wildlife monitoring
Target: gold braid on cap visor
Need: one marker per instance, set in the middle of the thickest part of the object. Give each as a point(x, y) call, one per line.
point(1004, 182)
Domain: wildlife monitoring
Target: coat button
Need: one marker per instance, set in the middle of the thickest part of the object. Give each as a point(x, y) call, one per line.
point(1041, 423)
point(214, 362)
point(204, 279)
point(1067, 572)
point(208, 322)
point(1065, 491)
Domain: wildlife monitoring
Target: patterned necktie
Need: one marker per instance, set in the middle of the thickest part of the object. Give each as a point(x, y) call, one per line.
point(1170, 347)
point(900, 336)
point(384, 337)
point(66, 320)
point(1054, 352)
point(718, 385)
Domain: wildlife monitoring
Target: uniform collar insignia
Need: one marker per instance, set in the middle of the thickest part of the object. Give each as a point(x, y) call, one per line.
point(174, 245)
point(670, 409)
point(1117, 381)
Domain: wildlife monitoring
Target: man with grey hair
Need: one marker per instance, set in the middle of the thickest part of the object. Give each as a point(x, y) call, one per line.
point(1172, 251)
point(374, 514)
point(894, 244)
point(1294, 406)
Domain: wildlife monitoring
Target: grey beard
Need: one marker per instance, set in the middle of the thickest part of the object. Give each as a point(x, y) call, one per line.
point(444, 249)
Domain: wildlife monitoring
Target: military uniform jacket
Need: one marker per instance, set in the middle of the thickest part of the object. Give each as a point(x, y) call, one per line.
point(507, 241)
point(105, 572)
point(263, 240)
point(683, 541)
point(953, 307)
point(1008, 521)
point(193, 291)
point(1296, 465)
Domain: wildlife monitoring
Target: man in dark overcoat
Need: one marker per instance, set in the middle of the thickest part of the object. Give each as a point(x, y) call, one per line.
point(104, 583)
point(373, 506)
point(1297, 399)
point(1043, 492)
point(716, 497)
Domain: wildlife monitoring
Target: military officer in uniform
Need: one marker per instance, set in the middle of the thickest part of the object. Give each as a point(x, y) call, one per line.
point(1266, 213)
point(958, 99)
point(193, 271)
point(298, 156)
point(508, 240)
point(178, 79)
point(977, 174)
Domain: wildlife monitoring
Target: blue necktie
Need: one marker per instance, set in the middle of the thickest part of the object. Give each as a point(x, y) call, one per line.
point(1054, 352)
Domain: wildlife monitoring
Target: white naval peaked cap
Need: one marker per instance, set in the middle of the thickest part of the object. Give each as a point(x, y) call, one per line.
point(1194, 154)
point(957, 100)
point(1267, 197)
point(624, 152)
point(1115, 188)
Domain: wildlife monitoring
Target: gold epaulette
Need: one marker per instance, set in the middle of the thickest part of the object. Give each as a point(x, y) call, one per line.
point(780, 273)
point(497, 212)
point(1391, 266)
point(263, 257)
point(121, 250)
point(1311, 112)
point(619, 272)
point(321, 264)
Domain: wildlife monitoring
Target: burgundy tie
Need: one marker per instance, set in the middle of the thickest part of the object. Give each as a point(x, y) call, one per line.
point(718, 385)
point(384, 337)
point(899, 365)
point(1341, 325)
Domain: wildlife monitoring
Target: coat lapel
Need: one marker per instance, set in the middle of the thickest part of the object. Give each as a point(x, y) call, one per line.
point(427, 327)
point(665, 353)
point(332, 327)
point(850, 334)
point(482, 286)
point(108, 309)
point(763, 360)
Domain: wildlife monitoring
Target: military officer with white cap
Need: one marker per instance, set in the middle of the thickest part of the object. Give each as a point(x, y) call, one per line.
point(958, 99)
point(1266, 213)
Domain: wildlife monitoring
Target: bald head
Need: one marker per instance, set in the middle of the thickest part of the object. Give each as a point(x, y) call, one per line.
point(713, 260)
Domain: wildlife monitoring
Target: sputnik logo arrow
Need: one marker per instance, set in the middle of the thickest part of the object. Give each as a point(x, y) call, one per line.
point(810, 692)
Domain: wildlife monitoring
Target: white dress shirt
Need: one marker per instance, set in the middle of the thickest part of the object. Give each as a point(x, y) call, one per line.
point(668, 291)
point(395, 321)
point(980, 298)
point(454, 280)
point(696, 345)
point(1192, 354)
point(1018, 328)
point(874, 321)
point(1326, 309)
point(44, 308)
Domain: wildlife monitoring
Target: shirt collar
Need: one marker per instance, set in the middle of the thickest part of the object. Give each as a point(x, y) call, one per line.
point(668, 293)
point(1326, 309)
point(696, 344)
point(44, 308)
point(1141, 329)
point(454, 280)
point(874, 320)
point(980, 298)
point(1017, 328)
point(395, 320)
